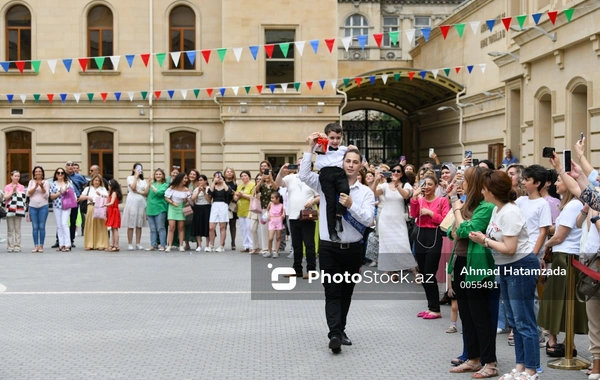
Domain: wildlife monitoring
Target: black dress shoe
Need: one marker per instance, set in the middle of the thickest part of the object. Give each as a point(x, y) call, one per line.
point(55, 245)
point(338, 224)
point(73, 245)
point(335, 344)
point(334, 237)
point(346, 341)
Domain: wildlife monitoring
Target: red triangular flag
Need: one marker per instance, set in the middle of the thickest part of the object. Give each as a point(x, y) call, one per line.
point(411, 74)
point(552, 16)
point(206, 55)
point(209, 91)
point(457, 68)
point(157, 94)
point(50, 97)
point(104, 95)
point(329, 42)
point(269, 50)
point(377, 37)
point(20, 66)
point(83, 62)
point(444, 29)
point(259, 88)
point(506, 21)
point(309, 85)
point(145, 58)
point(358, 80)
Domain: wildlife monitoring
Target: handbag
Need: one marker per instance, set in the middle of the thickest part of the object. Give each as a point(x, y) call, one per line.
point(84, 204)
point(255, 206)
point(188, 210)
point(447, 222)
point(99, 209)
point(233, 206)
point(309, 214)
point(69, 200)
point(16, 205)
point(588, 286)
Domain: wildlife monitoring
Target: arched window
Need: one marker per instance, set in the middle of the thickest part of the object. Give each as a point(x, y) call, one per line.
point(100, 36)
point(183, 150)
point(356, 25)
point(100, 152)
point(182, 31)
point(18, 36)
point(18, 155)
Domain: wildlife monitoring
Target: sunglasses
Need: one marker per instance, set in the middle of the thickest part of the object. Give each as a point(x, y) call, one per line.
point(69, 164)
point(60, 173)
point(396, 171)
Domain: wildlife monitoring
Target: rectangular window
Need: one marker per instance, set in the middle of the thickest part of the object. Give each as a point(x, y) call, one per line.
point(280, 67)
point(390, 24)
point(421, 22)
point(100, 45)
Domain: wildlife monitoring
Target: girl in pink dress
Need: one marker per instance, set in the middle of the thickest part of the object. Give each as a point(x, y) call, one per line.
point(276, 218)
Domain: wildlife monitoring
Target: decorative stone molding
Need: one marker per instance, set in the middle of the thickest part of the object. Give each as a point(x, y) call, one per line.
point(527, 71)
point(391, 9)
point(407, 17)
point(559, 56)
point(596, 43)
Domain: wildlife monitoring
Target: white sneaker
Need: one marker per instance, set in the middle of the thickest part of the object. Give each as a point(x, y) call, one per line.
point(168, 249)
point(181, 249)
point(373, 264)
point(199, 249)
point(291, 255)
point(266, 254)
point(208, 249)
point(140, 248)
point(220, 249)
point(130, 247)
point(2, 240)
point(275, 254)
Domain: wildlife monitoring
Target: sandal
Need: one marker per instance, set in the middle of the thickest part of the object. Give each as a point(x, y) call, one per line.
point(456, 361)
point(487, 371)
point(466, 367)
point(510, 376)
point(526, 376)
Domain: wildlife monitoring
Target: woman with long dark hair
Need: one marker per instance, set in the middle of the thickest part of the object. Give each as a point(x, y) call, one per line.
point(134, 214)
point(230, 180)
point(38, 191)
point(176, 195)
point(200, 224)
point(156, 210)
point(60, 185)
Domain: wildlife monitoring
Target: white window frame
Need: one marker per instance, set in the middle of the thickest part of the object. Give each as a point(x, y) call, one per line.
point(418, 27)
point(387, 41)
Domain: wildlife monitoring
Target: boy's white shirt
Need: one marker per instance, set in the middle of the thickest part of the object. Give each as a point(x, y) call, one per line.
point(331, 158)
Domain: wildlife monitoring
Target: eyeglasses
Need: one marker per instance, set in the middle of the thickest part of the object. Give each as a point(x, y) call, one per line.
point(396, 171)
point(176, 167)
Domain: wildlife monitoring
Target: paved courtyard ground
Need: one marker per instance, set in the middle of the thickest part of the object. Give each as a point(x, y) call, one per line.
point(142, 315)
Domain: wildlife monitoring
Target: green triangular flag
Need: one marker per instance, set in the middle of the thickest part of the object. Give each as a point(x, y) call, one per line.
point(569, 14)
point(144, 94)
point(90, 96)
point(247, 88)
point(521, 19)
point(447, 71)
point(460, 28)
point(36, 66)
point(222, 53)
point(99, 62)
point(346, 81)
point(196, 92)
point(284, 48)
point(36, 97)
point(296, 85)
point(394, 37)
point(160, 57)
point(397, 77)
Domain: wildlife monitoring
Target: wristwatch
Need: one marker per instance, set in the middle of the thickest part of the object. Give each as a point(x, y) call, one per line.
point(485, 242)
point(595, 219)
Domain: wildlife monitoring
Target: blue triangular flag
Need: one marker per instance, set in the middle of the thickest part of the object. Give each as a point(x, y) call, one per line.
point(362, 40)
point(490, 24)
point(254, 51)
point(536, 17)
point(118, 96)
point(470, 68)
point(315, 45)
point(170, 92)
point(422, 74)
point(222, 91)
point(67, 62)
point(191, 54)
point(130, 58)
point(426, 32)
point(272, 88)
point(322, 84)
point(5, 65)
point(63, 97)
point(9, 97)
point(372, 79)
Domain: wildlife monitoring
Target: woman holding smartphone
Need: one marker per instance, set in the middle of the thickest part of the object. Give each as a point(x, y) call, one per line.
point(134, 214)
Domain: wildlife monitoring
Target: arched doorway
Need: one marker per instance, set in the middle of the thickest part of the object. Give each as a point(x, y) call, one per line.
point(183, 150)
point(18, 154)
point(377, 135)
point(100, 148)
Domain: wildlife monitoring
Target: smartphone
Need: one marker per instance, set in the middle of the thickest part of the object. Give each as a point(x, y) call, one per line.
point(431, 152)
point(468, 154)
point(567, 160)
point(403, 158)
point(292, 167)
point(422, 183)
point(387, 174)
point(548, 152)
point(266, 172)
point(581, 136)
point(475, 161)
point(438, 173)
point(138, 168)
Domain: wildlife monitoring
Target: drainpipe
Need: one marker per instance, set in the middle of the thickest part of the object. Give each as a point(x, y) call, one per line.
point(150, 109)
point(460, 117)
point(222, 139)
point(345, 102)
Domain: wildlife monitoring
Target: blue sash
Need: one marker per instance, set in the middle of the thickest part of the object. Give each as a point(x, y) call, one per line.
point(355, 223)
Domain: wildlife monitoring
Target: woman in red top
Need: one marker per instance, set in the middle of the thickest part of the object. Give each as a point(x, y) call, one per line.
point(429, 211)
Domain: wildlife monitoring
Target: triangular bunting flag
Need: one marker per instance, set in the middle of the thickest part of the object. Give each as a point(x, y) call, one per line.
point(269, 50)
point(411, 74)
point(346, 41)
point(145, 58)
point(235, 90)
point(247, 88)
point(67, 62)
point(397, 77)
point(423, 73)
point(490, 24)
point(222, 91)
point(372, 80)
point(90, 96)
point(77, 97)
point(322, 84)
point(482, 67)
point(460, 29)
point(104, 95)
point(50, 97)
point(378, 37)
point(315, 45)
point(100, 62)
point(23, 98)
point(160, 58)
point(435, 73)
point(272, 88)
point(444, 29)
point(36, 97)
point(333, 84)
point(470, 68)
point(285, 47)
point(346, 81)
point(300, 46)
point(362, 40)
point(20, 65)
point(130, 94)
point(426, 32)
point(209, 91)
point(175, 57)
point(536, 17)
point(358, 80)
point(309, 85)
point(144, 94)
point(157, 94)
point(552, 16)
point(36, 66)
point(52, 65)
point(447, 71)
point(183, 93)
point(259, 88)
point(83, 62)
point(9, 97)
point(284, 87)
point(115, 61)
point(506, 21)
point(329, 42)
point(254, 51)
point(63, 97)
point(457, 68)
point(474, 26)
point(5, 65)
point(384, 78)
point(569, 14)
point(297, 86)
point(118, 96)
point(130, 58)
point(238, 53)
point(222, 53)
point(191, 55)
point(206, 55)
point(410, 35)
point(521, 20)
point(171, 93)
point(394, 36)
point(196, 92)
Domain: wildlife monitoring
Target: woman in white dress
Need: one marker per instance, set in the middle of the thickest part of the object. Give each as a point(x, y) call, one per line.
point(394, 247)
point(134, 214)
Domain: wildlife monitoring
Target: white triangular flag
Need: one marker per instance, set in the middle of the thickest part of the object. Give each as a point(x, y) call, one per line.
point(235, 90)
point(474, 26)
point(52, 64)
point(384, 78)
point(175, 57)
point(347, 41)
point(410, 34)
point(284, 87)
point(238, 53)
point(23, 97)
point(334, 84)
point(115, 61)
point(184, 93)
point(482, 67)
point(300, 47)
point(435, 72)
point(130, 94)
point(77, 96)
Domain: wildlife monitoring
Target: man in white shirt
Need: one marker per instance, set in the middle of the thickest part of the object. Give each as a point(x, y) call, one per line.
point(300, 197)
point(345, 256)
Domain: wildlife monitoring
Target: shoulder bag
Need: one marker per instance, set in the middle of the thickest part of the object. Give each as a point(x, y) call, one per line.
point(255, 206)
point(84, 204)
point(587, 286)
point(16, 205)
point(99, 209)
point(309, 214)
point(69, 200)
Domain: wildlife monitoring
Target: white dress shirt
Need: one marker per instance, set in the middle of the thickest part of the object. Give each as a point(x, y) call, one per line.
point(298, 195)
point(362, 209)
point(331, 158)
